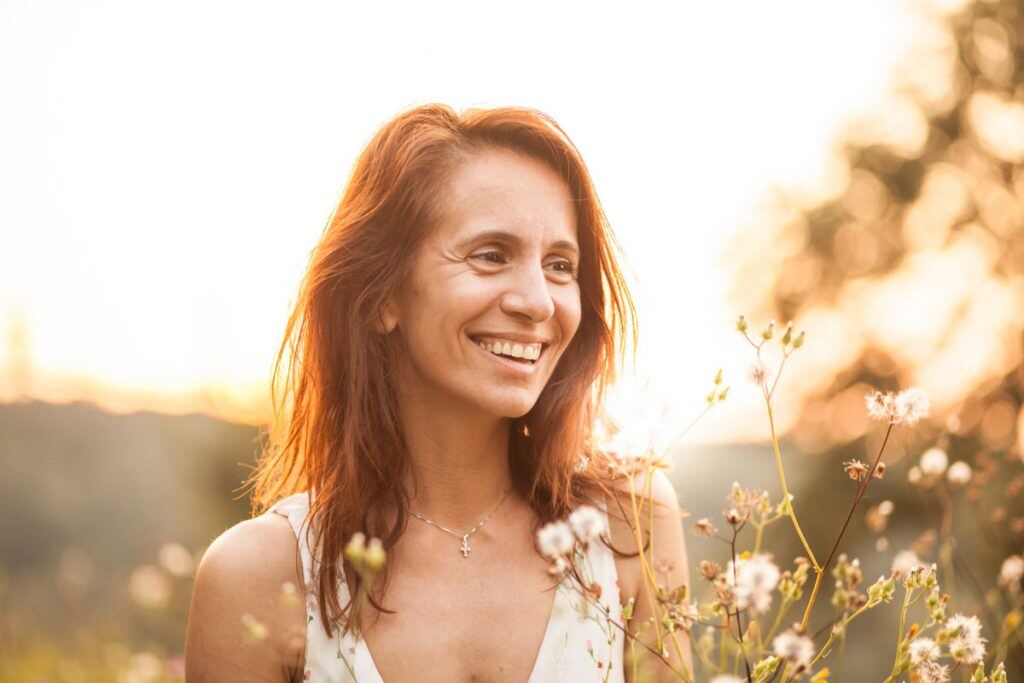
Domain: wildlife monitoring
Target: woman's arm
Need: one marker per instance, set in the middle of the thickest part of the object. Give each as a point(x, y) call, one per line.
point(670, 555)
point(241, 624)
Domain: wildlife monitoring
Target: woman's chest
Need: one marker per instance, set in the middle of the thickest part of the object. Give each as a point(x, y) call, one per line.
point(453, 621)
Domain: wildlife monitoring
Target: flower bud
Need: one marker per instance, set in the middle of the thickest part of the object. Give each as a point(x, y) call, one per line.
point(718, 377)
point(799, 341)
point(375, 555)
point(356, 549)
point(768, 331)
point(741, 324)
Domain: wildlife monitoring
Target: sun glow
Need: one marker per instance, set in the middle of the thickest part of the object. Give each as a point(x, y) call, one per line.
point(170, 169)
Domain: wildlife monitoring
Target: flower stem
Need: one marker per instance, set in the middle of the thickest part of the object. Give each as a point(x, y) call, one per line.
point(785, 490)
point(861, 490)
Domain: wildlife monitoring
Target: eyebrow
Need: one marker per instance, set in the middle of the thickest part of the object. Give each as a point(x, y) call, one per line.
point(513, 239)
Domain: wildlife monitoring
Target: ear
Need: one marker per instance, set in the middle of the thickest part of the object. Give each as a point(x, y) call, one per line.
point(387, 319)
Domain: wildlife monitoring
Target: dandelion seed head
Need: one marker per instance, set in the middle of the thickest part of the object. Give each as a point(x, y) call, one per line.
point(856, 470)
point(905, 562)
point(1012, 571)
point(704, 527)
point(587, 523)
point(752, 582)
point(923, 650)
point(794, 647)
point(932, 672)
point(555, 540)
point(906, 407)
point(967, 646)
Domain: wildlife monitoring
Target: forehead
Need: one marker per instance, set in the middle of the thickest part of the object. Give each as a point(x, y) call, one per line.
point(501, 189)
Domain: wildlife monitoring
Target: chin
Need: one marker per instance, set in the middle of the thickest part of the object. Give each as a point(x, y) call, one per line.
point(509, 406)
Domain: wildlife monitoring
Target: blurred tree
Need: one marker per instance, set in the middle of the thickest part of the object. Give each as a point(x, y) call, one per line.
point(912, 273)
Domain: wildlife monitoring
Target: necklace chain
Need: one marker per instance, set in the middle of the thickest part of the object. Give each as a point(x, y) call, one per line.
point(465, 537)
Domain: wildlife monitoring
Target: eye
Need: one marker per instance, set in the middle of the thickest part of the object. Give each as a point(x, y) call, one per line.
point(567, 267)
point(487, 257)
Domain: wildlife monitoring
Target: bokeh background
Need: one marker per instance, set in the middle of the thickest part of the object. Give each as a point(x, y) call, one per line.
point(855, 167)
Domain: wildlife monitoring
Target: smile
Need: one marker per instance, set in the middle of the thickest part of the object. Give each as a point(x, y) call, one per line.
point(520, 358)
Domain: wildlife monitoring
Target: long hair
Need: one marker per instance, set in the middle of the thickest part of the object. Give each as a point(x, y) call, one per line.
point(336, 431)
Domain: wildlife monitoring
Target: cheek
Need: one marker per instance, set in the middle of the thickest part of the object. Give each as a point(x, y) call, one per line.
point(570, 311)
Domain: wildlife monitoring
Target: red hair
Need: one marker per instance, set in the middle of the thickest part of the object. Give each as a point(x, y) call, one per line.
point(336, 430)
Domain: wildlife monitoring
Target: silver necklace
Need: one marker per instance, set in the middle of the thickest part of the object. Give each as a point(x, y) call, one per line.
point(465, 537)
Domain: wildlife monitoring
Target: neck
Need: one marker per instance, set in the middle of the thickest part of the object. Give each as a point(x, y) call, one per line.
point(459, 463)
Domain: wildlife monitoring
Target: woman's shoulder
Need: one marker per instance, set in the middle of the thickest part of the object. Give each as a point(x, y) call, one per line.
point(247, 614)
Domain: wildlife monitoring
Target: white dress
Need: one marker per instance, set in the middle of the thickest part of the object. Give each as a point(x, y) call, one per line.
point(579, 645)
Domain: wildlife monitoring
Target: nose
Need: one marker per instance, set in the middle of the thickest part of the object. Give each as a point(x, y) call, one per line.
point(528, 297)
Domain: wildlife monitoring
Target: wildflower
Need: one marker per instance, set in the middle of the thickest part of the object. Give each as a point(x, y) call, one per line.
point(959, 473)
point(704, 527)
point(905, 562)
point(555, 539)
point(734, 516)
point(879, 471)
point(1011, 571)
point(752, 581)
point(757, 373)
point(933, 462)
point(967, 644)
point(375, 555)
point(857, 470)
point(923, 650)
point(709, 570)
point(932, 672)
point(906, 407)
point(355, 548)
point(794, 647)
point(587, 523)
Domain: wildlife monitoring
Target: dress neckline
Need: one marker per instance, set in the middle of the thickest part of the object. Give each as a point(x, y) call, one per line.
point(363, 648)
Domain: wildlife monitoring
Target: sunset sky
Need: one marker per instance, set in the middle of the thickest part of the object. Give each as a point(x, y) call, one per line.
point(168, 167)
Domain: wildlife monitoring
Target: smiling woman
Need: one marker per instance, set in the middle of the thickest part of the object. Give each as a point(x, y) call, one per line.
point(436, 390)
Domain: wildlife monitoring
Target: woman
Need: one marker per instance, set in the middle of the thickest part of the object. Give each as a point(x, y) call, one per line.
point(446, 358)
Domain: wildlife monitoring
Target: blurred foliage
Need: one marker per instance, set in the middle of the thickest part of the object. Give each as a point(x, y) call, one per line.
point(103, 519)
point(912, 274)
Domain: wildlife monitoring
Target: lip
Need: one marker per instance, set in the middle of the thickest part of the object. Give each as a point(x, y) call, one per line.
point(512, 336)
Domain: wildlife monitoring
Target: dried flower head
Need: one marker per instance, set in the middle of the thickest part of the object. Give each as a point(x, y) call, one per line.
point(587, 523)
point(795, 647)
point(932, 672)
point(1011, 572)
point(555, 540)
point(967, 645)
point(923, 650)
point(879, 471)
point(704, 527)
point(709, 570)
point(752, 582)
point(856, 470)
point(906, 407)
point(905, 562)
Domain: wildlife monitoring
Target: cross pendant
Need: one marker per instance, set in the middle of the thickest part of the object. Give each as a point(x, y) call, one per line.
point(465, 545)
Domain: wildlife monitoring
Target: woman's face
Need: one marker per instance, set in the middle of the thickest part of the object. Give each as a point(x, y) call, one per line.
point(498, 270)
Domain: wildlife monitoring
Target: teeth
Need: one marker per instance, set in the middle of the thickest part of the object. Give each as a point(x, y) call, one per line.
point(515, 350)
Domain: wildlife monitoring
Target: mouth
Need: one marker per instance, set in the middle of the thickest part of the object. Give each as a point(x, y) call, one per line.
point(516, 354)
